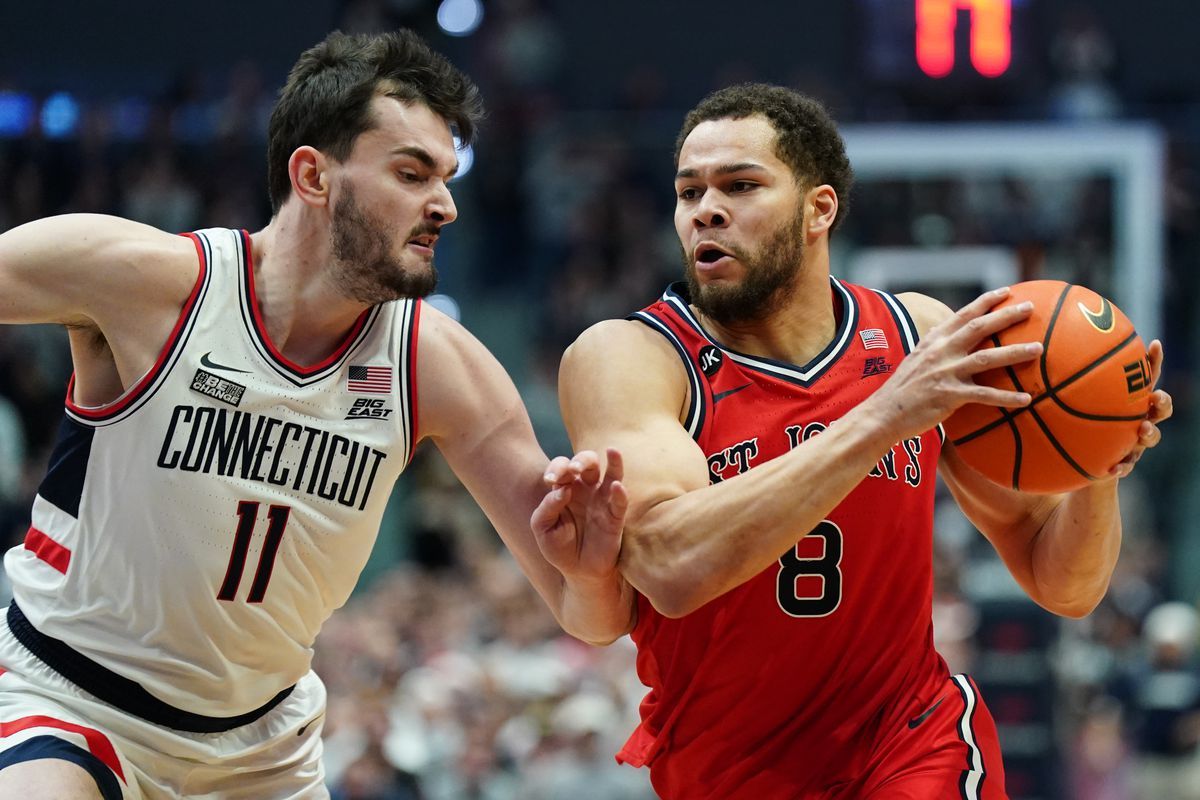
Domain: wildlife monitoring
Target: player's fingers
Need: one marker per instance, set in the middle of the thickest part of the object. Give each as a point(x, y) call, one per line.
point(977, 307)
point(976, 330)
point(587, 466)
point(1004, 356)
point(1162, 406)
point(1155, 355)
point(618, 501)
point(615, 469)
point(545, 516)
point(559, 472)
point(1121, 470)
point(990, 396)
point(1149, 434)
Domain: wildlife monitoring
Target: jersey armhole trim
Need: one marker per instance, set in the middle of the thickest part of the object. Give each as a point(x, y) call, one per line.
point(694, 418)
point(170, 350)
point(904, 321)
point(410, 349)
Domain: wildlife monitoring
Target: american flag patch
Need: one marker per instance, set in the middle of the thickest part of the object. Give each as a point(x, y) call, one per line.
point(873, 339)
point(370, 380)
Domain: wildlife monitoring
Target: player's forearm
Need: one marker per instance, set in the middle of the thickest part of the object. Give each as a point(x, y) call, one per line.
point(1075, 552)
point(690, 549)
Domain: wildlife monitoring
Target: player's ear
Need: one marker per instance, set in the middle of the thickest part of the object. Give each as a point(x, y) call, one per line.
point(308, 169)
point(822, 202)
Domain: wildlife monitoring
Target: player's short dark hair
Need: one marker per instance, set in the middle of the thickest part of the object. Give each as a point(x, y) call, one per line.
point(326, 101)
point(806, 137)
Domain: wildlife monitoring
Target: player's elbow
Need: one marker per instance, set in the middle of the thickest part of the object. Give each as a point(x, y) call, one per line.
point(1076, 608)
point(1074, 604)
point(667, 582)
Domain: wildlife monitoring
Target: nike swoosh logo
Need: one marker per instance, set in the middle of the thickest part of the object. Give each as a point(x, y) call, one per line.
point(915, 721)
point(719, 396)
point(304, 727)
point(1101, 320)
point(208, 363)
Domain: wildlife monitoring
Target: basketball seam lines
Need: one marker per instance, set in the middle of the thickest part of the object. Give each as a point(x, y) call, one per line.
point(1051, 393)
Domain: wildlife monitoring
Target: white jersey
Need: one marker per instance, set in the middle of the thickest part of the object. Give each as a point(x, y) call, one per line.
point(194, 534)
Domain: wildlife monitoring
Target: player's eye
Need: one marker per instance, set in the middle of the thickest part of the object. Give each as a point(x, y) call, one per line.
point(688, 193)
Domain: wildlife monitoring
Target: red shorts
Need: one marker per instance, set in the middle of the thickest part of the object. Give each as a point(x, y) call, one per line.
point(948, 751)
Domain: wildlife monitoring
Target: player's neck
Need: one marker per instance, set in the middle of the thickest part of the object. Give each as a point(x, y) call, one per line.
point(306, 318)
point(800, 325)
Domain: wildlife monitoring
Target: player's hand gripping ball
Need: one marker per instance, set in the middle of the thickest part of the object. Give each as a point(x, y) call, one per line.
point(1090, 387)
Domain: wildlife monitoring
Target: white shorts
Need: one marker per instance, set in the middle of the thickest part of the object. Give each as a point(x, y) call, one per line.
point(42, 715)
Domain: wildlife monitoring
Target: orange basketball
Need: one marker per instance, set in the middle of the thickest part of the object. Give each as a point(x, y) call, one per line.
point(1090, 388)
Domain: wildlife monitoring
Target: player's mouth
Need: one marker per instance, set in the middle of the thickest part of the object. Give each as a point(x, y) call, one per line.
point(423, 244)
point(709, 256)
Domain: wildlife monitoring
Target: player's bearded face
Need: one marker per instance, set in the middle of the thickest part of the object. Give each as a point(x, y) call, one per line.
point(366, 265)
point(769, 271)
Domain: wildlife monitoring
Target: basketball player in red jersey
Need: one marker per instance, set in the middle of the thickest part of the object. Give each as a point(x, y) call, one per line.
point(240, 407)
point(781, 435)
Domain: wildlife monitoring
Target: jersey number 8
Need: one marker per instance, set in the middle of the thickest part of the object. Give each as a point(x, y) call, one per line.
point(826, 568)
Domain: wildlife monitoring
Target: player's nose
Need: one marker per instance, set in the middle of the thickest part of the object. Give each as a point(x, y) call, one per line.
point(441, 207)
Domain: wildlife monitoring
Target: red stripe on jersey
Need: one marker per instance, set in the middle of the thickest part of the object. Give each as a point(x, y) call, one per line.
point(48, 550)
point(261, 325)
point(118, 405)
point(412, 378)
point(97, 742)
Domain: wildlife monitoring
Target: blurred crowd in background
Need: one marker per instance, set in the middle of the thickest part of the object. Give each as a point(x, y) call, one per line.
point(447, 677)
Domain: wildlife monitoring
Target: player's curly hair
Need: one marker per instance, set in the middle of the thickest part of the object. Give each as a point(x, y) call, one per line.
point(806, 137)
point(326, 101)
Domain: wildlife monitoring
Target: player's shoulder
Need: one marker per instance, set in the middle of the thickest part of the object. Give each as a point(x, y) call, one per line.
point(443, 335)
point(925, 311)
point(448, 355)
point(618, 339)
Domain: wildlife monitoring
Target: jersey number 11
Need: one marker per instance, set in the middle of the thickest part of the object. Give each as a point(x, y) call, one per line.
point(247, 511)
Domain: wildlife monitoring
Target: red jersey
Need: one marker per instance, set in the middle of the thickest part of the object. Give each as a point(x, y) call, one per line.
point(784, 686)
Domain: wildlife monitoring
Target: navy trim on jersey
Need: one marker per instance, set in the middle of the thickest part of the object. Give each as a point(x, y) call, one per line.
point(909, 335)
point(48, 746)
point(805, 375)
point(295, 373)
point(970, 784)
point(694, 419)
point(904, 322)
point(117, 690)
point(63, 482)
point(149, 384)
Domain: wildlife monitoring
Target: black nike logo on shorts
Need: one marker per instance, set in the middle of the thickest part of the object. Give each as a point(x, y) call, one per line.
point(304, 727)
point(208, 363)
point(915, 721)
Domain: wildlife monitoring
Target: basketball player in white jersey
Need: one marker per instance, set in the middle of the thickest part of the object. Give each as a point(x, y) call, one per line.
point(240, 408)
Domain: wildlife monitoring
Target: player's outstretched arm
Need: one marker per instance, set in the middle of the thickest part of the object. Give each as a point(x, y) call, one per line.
point(686, 541)
point(469, 407)
point(1062, 549)
point(89, 270)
